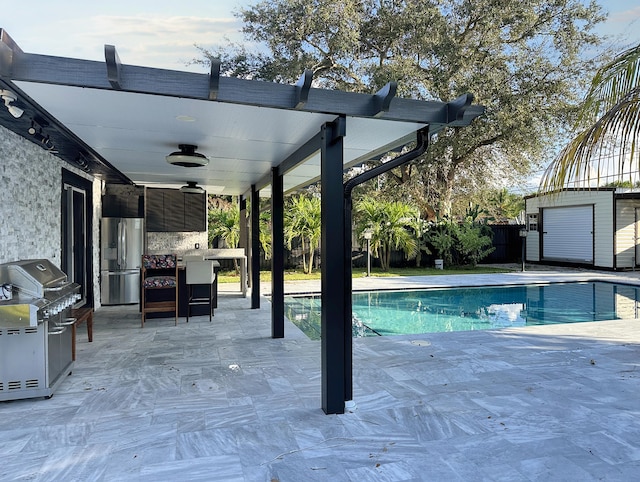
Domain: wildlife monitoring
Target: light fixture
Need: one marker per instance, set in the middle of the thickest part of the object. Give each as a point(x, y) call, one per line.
point(35, 128)
point(187, 157)
point(192, 188)
point(82, 162)
point(36, 131)
point(8, 97)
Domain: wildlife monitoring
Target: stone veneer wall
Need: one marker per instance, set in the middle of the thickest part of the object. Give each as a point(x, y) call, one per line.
point(30, 193)
point(97, 215)
point(170, 242)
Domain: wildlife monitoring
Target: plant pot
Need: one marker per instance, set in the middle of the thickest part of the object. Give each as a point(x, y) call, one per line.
point(439, 263)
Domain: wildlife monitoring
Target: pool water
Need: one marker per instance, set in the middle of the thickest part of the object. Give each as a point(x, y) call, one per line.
point(382, 313)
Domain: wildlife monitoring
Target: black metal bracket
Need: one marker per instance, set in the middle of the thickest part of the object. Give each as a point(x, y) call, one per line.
point(303, 86)
point(456, 108)
point(384, 97)
point(214, 78)
point(113, 66)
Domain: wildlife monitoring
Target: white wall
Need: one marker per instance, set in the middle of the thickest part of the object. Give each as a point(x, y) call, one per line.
point(626, 232)
point(30, 194)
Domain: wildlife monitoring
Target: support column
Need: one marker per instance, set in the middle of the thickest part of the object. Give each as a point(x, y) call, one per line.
point(277, 254)
point(254, 257)
point(243, 241)
point(348, 302)
point(333, 277)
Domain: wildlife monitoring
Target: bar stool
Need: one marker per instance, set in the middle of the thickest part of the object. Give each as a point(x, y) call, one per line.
point(200, 273)
point(160, 275)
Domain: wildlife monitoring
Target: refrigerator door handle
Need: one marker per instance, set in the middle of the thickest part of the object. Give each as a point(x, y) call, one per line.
point(118, 244)
point(123, 244)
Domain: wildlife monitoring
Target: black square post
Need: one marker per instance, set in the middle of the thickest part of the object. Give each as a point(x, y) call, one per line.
point(255, 248)
point(333, 281)
point(277, 254)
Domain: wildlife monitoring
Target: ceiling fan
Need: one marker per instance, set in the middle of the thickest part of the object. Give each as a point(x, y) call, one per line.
point(187, 157)
point(192, 188)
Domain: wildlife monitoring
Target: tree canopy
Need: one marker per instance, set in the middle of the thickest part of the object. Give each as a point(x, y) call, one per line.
point(523, 60)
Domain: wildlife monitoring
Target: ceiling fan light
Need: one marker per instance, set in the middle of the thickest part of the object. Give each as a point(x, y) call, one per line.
point(187, 157)
point(192, 188)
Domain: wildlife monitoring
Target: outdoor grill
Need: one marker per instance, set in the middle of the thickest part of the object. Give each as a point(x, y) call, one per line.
point(35, 328)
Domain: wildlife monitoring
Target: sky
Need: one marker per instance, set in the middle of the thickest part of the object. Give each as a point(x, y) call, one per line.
point(150, 33)
point(162, 34)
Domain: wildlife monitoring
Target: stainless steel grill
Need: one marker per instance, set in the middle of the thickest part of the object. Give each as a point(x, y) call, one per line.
point(35, 334)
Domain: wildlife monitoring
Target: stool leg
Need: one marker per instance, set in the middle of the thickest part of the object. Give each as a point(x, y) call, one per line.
point(189, 296)
point(73, 341)
point(90, 326)
point(210, 301)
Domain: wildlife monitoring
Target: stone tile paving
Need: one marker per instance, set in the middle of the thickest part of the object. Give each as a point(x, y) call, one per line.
point(223, 401)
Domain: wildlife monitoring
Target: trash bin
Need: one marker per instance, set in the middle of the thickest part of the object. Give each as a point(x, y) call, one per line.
point(439, 264)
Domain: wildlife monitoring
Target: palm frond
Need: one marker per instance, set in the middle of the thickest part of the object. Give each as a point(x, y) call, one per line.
point(584, 157)
point(610, 85)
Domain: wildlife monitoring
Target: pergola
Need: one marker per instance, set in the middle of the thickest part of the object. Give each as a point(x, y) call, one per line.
point(118, 122)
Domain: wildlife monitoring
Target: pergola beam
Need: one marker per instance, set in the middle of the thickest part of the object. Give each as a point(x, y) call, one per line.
point(214, 79)
point(90, 74)
point(113, 66)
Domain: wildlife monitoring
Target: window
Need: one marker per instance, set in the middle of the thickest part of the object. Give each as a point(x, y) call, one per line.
point(533, 222)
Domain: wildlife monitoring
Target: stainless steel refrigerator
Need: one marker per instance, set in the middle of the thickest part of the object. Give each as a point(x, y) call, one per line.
point(121, 246)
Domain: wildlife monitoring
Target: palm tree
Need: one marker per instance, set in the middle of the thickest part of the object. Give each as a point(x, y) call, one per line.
point(265, 233)
point(225, 224)
point(389, 223)
point(302, 220)
point(609, 114)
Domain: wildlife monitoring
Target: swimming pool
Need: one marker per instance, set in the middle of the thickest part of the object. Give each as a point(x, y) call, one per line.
point(482, 308)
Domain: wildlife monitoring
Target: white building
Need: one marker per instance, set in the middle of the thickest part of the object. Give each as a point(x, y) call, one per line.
point(591, 227)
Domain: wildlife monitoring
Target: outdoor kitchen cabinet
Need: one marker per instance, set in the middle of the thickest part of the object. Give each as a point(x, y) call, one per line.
point(120, 206)
point(171, 210)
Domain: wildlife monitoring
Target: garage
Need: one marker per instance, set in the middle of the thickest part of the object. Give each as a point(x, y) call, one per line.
point(567, 234)
point(591, 227)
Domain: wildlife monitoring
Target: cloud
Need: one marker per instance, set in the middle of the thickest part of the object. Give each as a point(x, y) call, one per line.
point(161, 41)
point(623, 26)
point(151, 41)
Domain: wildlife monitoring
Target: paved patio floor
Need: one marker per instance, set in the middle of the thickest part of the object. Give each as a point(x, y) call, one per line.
point(223, 401)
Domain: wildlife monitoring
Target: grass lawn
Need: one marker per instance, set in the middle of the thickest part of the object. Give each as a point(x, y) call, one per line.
point(295, 275)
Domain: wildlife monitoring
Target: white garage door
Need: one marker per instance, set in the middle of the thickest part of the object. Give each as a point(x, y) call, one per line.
point(568, 233)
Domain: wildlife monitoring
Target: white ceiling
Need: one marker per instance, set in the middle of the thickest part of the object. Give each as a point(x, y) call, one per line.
point(135, 131)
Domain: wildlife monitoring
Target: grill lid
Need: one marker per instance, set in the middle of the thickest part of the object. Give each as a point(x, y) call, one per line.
point(33, 276)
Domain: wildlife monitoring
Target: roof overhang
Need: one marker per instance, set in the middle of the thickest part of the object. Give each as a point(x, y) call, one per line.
point(119, 121)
